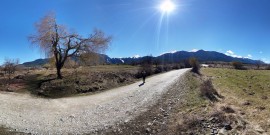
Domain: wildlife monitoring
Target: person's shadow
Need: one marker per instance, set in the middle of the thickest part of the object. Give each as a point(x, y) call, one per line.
point(141, 84)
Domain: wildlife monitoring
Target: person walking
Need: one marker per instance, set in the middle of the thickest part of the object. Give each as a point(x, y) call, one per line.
point(143, 76)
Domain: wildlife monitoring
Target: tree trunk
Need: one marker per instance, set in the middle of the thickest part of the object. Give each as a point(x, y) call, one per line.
point(59, 74)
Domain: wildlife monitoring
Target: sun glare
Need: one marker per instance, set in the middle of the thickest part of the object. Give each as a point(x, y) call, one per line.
point(167, 6)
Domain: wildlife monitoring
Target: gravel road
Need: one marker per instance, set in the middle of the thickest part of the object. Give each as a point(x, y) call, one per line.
point(83, 114)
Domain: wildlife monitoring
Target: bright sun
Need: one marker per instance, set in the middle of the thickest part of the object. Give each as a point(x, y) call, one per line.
point(167, 6)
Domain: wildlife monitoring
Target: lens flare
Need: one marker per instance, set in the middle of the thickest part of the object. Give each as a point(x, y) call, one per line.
point(167, 6)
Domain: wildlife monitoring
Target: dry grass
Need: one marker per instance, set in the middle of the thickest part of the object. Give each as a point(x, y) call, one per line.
point(248, 90)
point(76, 81)
point(84, 80)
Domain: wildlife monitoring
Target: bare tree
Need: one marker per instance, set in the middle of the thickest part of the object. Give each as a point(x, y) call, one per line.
point(238, 65)
point(258, 64)
point(156, 62)
point(10, 66)
point(195, 65)
point(56, 41)
point(89, 59)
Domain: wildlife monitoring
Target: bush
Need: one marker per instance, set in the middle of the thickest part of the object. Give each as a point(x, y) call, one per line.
point(268, 67)
point(227, 109)
point(147, 68)
point(186, 64)
point(238, 65)
point(182, 65)
point(195, 65)
point(176, 66)
point(158, 69)
point(207, 90)
point(190, 122)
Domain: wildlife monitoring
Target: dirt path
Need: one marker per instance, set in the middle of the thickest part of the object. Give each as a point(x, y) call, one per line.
point(85, 114)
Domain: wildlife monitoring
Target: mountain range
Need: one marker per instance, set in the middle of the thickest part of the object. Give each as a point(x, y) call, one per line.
point(176, 57)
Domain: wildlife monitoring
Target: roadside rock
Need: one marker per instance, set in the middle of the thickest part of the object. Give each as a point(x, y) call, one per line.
point(147, 130)
point(19, 77)
point(247, 103)
point(259, 129)
point(227, 127)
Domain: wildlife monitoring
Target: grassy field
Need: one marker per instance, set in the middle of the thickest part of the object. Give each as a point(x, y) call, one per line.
point(248, 91)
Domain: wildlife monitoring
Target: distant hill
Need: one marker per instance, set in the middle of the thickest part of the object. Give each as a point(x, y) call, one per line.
point(36, 63)
point(180, 56)
point(204, 56)
point(176, 57)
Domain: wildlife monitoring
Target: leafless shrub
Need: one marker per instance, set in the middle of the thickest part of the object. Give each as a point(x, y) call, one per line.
point(146, 66)
point(268, 67)
point(190, 122)
point(258, 65)
point(186, 63)
point(227, 109)
point(176, 66)
point(70, 64)
point(195, 65)
point(238, 65)
point(156, 62)
point(260, 108)
point(247, 103)
point(219, 117)
point(10, 66)
point(207, 90)
point(264, 97)
point(158, 69)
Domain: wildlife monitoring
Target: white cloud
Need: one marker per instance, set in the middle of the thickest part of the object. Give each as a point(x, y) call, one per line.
point(174, 51)
point(136, 56)
point(122, 61)
point(249, 56)
point(194, 50)
point(232, 54)
point(229, 52)
point(265, 60)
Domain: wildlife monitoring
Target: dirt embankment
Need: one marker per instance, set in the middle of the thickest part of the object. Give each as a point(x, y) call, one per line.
point(91, 82)
point(83, 80)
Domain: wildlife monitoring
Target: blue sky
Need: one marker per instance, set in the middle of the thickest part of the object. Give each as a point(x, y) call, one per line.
point(240, 28)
